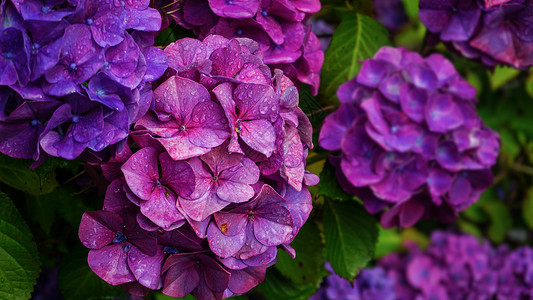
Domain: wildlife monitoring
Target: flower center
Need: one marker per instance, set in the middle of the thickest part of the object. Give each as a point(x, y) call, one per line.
point(45, 9)
point(183, 128)
point(34, 123)
point(170, 250)
point(238, 31)
point(264, 13)
point(100, 92)
point(75, 119)
point(9, 55)
point(89, 21)
point(73, 66)
point(119, 238)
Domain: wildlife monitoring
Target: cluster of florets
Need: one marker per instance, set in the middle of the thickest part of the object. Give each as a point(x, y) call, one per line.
point(278, 26)
point(75, 75)
point(410, 138)
point(458, 266)
point(370, 284)
point(219, 181)
point(493, 31)
point(454, 266)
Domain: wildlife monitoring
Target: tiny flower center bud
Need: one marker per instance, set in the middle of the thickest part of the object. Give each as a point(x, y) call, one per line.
point(45, 9)
point(119, 238)
point(106, 64)
point(264, 13)
point(158, 183)
point(8, 55)
point(251, 216)
point(127, 248)
point(229, 2)
point(170, 250)
point(34, 123)
point(100, 92)
point(238, 129)
point(35, 48)
point(73, 66)
point(89, 21)
point(75, 119)
point(239, 31)
point(215, 178)
point(183, 128)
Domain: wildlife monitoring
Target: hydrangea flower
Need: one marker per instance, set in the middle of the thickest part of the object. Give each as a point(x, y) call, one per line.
point(390, 14)
point(90, 61)
point(217, 175)
point(409, 138)
point(278, 27)
point(370, 284)
point(458, 266)
point(495, 32)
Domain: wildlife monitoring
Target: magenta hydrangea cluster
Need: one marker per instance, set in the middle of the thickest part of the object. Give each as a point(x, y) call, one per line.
point(74, 75)
point(218, 184)
point(410, 138)
point(458, 266)
point(370, 284)
point(278, 26)
point(492, 31)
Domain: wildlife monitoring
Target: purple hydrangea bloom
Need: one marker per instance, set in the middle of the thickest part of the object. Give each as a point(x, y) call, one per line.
point(370, 284)
point(459, 266)
point(495, 32)
point(93, 58)
point(225, 198)
point(390, 14)
point(277, 25)
point(409, 137)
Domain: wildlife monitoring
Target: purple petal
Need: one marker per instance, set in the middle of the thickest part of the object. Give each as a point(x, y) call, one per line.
point(111, 264)
point(141, 172)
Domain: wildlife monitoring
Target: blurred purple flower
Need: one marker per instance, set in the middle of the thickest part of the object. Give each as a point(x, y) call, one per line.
point(410, 138)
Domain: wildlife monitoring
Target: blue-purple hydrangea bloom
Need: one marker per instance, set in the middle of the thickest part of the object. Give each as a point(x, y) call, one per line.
point(218, 184)
point(459, 266)
point(492, 31)
point(276, 25)
point(410, 138)
point(75, 75)
point(370, 284)
point(453, 266)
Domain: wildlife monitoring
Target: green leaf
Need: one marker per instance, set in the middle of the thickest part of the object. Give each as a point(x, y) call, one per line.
point(19, 259)
point(329, 185)
point(161, 296)
point(351, 236)
point(500, 218)
point(527, 208)
point(358, 37)
point(276, 286)
point(411, 8)
point(17, 174)
point(305, 268)
point(502, 75)
point(389, 241)
point(77, 281)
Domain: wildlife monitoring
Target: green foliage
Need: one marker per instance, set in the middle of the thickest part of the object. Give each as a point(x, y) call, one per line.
point(306, 267)
point(389, 241)
point(490, 212)
point(277, 286)
point(19, 260)
point(527, 208)
point(62, 202)
point(358, 37)
point(329, 186)
point(17, 174)
point(351, 236)
point(77, 281)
